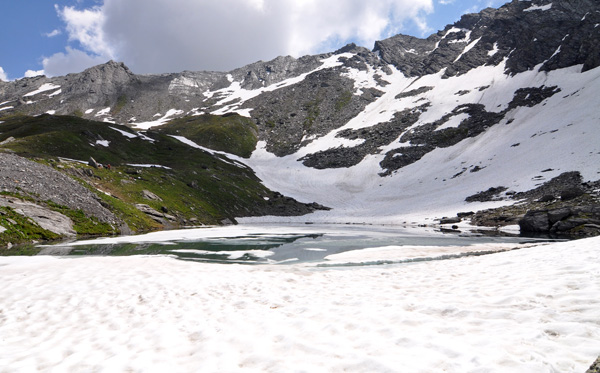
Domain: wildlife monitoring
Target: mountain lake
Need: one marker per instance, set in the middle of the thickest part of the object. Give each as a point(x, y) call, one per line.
point(323, 245)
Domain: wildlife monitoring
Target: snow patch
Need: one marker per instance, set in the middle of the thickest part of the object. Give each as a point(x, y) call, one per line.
point(148, 166)
point(159, 122)
point(494, 50)
point(125, 133)
point(538, 7)
point(466, 39)
point(454, 121)
point(58, 92)
point(102, 112)
point(42, 88)
point(468, 48)
point(362, 79)
point(557, 51)
point(234, 159)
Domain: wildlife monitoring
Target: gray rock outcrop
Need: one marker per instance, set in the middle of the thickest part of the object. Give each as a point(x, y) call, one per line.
point(50, 220)
point(42, 183)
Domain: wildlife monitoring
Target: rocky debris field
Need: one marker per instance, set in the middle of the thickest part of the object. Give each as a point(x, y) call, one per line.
point(42, 183)
point(562, 206)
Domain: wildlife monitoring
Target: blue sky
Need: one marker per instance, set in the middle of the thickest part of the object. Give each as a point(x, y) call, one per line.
point(155, 36)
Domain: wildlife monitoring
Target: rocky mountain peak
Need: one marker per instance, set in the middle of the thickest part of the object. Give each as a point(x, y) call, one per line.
point(526, 33)
point(263, 74)
point(106, 79)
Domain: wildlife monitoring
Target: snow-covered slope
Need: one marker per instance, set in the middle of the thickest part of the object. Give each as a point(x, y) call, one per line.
point(528, 146)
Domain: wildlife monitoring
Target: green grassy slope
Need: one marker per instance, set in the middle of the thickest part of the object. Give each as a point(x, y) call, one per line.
point(230, 133)
point(193, 187)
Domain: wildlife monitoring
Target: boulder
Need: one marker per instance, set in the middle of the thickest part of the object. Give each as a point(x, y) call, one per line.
point(535, 221)
point(151, 196)
point(44, 217)
point(557, 215)
point(576, 220)
point(571, 193)
point(92, 163)
point(453, 220)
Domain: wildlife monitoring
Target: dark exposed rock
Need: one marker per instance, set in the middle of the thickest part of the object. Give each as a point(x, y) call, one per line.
point(595, 367)
point(451, 220)
point(413, 92)
point(374, 137)
point(532, 96)
point(571, 193)
point(160, 217)
point(317, 109)
point(261, 74)
point(525, 38)
point(545, 210)
point(546, 198)
point(535, 221)
point(427, 137)
point(574, 221)
point(403, 156)
point(554, 187)
point(492, 194)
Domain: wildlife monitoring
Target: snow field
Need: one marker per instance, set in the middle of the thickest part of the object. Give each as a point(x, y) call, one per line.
point(530, 310)
point(558, 135)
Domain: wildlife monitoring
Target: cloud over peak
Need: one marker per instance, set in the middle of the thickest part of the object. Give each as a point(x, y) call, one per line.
point(174, 35)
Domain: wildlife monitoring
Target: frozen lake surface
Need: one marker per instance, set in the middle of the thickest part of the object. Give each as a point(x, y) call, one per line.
point(275, 244)
point(522, 307)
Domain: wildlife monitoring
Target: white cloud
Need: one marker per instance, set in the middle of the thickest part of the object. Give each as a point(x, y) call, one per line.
point(3, 75)
point(176, 35)
point(32, 73)
point(73, 60)
point(87, 28)
point(53, 33)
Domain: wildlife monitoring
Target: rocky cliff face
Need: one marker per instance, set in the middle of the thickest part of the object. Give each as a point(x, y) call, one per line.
point(525, 33)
